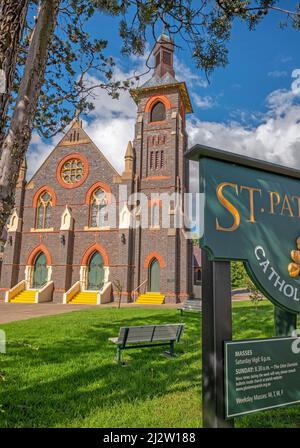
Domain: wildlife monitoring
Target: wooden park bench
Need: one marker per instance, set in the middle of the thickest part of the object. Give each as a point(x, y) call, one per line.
point(147, 336)
point(191, 305)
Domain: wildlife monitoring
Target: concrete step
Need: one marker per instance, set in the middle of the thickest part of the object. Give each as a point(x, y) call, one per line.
point(84, 298)
point(27, 296)
point(151, 298)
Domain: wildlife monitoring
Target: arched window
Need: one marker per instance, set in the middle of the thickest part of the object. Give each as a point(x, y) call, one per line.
point(98, 203)
point(43, 211)
point(158, 112)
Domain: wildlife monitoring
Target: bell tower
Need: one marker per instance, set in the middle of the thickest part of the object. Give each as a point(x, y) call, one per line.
point(163, 54)
point(159, 146)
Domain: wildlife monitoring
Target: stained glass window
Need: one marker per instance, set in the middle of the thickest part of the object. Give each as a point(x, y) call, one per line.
point(72, 171)
point(98, 203)
point(158, 112)
point(43, 212)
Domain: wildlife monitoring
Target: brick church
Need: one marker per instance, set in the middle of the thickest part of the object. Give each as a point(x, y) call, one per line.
point(58, 250)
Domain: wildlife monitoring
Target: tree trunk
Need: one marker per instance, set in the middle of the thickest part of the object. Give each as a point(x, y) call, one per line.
point(12, 19)
point(19, 134)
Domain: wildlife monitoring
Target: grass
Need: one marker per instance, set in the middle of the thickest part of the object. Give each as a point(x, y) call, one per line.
point(59, 372)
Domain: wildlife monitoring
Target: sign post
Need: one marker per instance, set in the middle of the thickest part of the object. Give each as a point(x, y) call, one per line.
point(285, 322)
point(216, 327)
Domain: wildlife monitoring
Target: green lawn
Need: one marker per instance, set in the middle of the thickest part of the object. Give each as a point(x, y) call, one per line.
point(59, 372)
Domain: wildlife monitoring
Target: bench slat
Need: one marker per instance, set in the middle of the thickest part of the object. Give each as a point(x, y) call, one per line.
point(149, 333)
point(135, 334)
point(191, 305)
point(165, 334)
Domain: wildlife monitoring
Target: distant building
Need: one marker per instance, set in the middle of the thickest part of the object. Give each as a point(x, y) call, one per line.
point(197, 272)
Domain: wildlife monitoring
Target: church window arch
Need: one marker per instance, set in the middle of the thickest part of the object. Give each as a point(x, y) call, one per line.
point(158, 112)
point(44, 211)
point(98, 202)
point(72, 170)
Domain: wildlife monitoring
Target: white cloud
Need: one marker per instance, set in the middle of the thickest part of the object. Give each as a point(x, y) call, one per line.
point(184, 73)
point(278, 73)
point(276, 138)
point(204, 102)
point(38, 151)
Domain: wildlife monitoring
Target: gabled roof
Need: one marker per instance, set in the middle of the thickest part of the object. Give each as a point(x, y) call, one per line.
point(157, 81)
point(75, 136)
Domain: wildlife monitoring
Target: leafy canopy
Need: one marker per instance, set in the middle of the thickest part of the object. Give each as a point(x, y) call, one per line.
point(78, 65)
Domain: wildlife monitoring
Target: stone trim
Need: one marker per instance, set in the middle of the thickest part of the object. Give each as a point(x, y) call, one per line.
point(90, 250)
point(155, 99)
point(72, 155)
point(105, 187)
point(42, 190)
point(35, 251)
point(150, 257)
point(36, 230)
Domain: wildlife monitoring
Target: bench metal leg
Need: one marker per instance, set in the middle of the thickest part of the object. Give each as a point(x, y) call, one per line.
point(171, 351)
point(118, 355)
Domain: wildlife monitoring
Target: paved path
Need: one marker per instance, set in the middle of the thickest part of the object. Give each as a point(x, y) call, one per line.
point(10, 312)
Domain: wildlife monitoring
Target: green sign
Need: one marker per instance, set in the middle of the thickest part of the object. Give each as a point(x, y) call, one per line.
point(261, 374)
point(253, 214)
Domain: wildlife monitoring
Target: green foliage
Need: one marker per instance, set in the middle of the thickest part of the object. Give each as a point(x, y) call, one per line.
point(205, 26)
point(239, 276)
point(196, 241)
point(254, 293)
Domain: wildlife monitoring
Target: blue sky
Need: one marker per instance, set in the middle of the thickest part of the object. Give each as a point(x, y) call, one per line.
point(259, 63)
point(248, 107)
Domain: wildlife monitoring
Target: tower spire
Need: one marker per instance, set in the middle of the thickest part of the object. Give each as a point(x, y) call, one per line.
point(163, 53)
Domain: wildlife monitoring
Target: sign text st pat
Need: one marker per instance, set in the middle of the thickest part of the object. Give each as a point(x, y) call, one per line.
point(253, 214)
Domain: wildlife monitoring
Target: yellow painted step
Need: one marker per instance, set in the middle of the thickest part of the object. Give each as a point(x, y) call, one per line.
point(151, 298)
point(84, 298)
point(27, 296)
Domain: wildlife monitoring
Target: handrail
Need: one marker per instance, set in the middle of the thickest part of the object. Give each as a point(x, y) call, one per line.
point(68, 295)
point(133, 293)
point(105, 287)
point(12, 292)
point(45, 293)
point(104, 295)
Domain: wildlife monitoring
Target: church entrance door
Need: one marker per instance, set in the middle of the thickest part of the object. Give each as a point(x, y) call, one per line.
point(95, 272)
point(40, 273)
point(154, 276)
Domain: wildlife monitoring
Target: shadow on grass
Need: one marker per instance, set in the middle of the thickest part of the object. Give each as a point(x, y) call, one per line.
point(73, 374)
